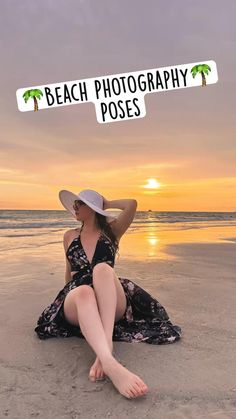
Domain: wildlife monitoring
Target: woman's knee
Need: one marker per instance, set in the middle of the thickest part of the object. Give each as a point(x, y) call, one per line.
point(101, 268)
point(83, 292)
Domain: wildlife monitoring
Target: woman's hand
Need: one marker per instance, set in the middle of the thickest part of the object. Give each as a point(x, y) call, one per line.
point(106, 203)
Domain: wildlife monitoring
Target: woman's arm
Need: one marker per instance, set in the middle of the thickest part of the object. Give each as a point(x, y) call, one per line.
point(68, 268)
point(125, 218)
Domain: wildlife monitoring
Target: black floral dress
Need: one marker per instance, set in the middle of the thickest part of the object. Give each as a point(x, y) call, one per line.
point(145, 319)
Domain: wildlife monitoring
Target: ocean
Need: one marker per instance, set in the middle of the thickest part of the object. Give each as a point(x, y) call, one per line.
point(33, 228)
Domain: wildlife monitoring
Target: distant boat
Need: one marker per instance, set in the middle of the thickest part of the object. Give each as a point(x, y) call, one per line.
point(149, 210)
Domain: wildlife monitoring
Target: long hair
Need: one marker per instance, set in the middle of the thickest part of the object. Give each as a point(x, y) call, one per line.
point(105, 226)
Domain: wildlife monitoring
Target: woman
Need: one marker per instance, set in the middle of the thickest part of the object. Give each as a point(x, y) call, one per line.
point(95, 303)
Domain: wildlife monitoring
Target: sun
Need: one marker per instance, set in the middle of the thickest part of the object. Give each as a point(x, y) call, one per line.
point(152, 184)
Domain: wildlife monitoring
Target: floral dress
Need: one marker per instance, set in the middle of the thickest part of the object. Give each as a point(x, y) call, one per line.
point(145, 319)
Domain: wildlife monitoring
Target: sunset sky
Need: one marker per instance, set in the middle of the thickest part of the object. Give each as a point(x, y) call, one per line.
point(186, 143)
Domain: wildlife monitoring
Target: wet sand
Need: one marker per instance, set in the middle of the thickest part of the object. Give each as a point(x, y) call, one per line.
point(192, 378)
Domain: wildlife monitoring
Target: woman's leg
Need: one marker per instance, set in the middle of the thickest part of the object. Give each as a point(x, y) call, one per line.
point(80, 307)
point(111, 302)
point(110, 297)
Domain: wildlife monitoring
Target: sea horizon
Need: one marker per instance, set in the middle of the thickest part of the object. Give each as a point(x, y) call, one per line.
point(149, 230)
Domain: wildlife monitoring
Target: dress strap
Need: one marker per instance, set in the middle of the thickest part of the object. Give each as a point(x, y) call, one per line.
point(101, 234)
point(79, 231)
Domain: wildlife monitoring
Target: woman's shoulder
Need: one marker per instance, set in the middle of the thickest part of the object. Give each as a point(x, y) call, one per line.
point(71, 233)
point(69, 236)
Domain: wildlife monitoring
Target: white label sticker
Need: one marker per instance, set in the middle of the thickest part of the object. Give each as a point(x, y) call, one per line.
point(117, 97)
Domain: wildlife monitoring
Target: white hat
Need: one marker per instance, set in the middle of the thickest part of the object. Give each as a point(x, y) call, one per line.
point(92, 198)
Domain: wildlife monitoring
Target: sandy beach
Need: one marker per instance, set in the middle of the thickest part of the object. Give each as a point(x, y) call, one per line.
point(192, 274)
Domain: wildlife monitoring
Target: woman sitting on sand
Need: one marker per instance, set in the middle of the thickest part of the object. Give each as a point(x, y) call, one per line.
point(95, 303)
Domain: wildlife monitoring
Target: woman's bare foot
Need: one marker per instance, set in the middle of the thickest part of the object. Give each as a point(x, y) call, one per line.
point(128, 384)
point(96, 371)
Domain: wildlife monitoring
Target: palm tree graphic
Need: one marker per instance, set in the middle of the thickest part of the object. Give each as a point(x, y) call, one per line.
point(35, 94)
point(201, 68)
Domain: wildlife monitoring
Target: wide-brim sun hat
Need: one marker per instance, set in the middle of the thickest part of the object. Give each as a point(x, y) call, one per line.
point(90, 197)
